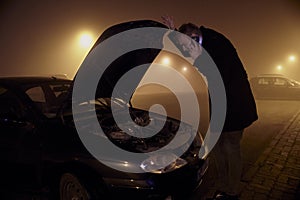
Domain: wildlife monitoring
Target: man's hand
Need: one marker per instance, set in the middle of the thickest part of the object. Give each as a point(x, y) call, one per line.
point(168, 21)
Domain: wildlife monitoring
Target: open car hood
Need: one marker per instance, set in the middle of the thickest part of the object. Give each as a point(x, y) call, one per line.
point(126, 62)
point(145, 93)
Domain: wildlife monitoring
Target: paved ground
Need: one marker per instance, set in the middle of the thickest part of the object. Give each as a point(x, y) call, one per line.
point(276, 174)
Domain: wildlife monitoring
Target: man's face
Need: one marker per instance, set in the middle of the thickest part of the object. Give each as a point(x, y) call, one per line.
point(189, 45)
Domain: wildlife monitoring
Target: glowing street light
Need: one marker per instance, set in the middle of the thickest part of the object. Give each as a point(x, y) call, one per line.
point(279, 67)
point(292, 58)
point(85, 40)
point(81, 44)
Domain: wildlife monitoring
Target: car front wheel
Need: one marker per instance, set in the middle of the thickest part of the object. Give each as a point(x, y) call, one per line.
point(72, 189)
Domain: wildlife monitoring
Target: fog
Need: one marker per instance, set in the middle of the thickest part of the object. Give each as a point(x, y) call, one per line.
point(41, 37)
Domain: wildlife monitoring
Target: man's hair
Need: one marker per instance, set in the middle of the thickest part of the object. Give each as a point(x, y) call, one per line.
point(189, 29)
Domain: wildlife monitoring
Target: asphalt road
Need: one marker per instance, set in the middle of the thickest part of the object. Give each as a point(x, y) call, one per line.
point(273, 117)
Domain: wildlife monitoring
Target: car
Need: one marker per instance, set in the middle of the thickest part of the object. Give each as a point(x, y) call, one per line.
point(28, 106)
point(275, 87)
point(43, 140)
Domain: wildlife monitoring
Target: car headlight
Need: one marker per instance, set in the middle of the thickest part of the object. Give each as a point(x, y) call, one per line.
point(162, 163)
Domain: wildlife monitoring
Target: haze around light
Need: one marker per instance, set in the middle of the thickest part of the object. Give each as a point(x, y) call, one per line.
point(42, 37)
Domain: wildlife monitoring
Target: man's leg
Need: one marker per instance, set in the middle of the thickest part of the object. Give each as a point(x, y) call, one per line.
point(234, 160)
point(220, 156)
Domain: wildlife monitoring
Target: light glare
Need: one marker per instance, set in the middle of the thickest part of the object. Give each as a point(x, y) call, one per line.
point(279, 67)
point(166, 61)
point(85, 40)
point(292, 58)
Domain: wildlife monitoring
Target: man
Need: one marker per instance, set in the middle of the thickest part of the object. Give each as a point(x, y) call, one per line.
point(241, 109)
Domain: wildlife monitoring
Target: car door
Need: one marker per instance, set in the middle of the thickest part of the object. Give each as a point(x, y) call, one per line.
point(281, 88)
point(19, 151)
point(12, 124)
point(263, 87)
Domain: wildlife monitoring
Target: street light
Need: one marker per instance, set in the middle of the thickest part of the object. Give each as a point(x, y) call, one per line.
point(292, 58)
point(85, 40)
point(279, 67)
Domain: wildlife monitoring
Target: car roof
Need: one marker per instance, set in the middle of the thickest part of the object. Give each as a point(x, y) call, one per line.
point(31, 79)
point(270, 75)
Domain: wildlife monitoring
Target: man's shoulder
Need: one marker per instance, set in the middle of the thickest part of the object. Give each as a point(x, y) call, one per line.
point(214, 36)
point(206, 30)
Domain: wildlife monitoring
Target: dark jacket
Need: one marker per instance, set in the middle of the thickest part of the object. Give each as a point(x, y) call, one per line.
point(241, 107)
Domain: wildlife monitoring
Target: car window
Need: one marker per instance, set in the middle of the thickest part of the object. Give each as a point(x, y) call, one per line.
point(264, 81)
point(48, 97)
point(280, 82)
point(59, 89)
point(36, 94)
point(11, 107)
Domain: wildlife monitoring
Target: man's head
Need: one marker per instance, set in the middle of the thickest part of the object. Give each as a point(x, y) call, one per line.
point(189, 41)
point(189, 46)
point(191, 30)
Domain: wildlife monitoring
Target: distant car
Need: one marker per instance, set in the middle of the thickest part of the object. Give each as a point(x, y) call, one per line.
point(41, 148)
point(275, 87)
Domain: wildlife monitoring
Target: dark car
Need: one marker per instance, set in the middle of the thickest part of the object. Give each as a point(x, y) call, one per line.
point(41, 147)
point(28, 110)
point(275, 87)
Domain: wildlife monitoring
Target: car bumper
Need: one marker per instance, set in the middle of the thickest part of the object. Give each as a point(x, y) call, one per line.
point(163, 186)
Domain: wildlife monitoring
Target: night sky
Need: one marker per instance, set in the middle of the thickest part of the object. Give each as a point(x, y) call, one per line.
point(41, 37)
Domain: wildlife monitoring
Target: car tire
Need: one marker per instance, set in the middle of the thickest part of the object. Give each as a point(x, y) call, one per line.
point(70, 187)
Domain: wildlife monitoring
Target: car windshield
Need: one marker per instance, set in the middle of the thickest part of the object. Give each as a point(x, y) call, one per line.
point(295, 83)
